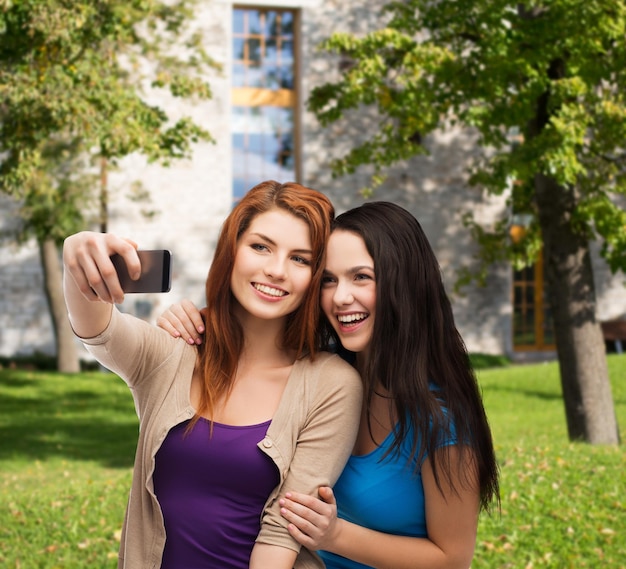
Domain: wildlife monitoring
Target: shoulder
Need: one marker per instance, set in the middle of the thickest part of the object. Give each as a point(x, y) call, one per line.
point(328, 375)
point(326, 363)
point(327, 360)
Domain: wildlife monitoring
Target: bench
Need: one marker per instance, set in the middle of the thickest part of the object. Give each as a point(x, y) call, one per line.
point(615, 331)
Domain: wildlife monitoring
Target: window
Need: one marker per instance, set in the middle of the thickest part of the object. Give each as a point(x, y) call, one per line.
point(264, 99)
point(533, 328)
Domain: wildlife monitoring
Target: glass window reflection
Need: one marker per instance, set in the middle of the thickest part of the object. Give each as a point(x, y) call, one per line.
point(263, 75)
point(264, 39)
point(262, 146)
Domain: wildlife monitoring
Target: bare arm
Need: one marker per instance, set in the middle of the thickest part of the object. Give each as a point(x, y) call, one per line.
point(90, 282)
point(265, 556)
point(451, 519)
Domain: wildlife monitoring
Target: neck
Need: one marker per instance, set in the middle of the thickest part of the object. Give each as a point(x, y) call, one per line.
point(361, 362)
point(263, 340)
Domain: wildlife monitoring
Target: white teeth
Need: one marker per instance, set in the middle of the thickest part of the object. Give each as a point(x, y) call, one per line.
point(347, 318)
point(269, 290)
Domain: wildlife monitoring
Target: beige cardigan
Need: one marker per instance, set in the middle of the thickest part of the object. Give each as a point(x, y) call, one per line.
point(309, 439)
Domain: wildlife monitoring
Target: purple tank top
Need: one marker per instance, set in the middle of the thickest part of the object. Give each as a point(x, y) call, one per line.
point(212, 491)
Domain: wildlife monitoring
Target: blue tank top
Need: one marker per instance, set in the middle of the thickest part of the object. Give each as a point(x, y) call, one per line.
point(212, 490)
point(385, 495)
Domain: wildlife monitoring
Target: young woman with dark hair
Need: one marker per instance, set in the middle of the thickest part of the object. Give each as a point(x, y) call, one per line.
point(228, 427)
point(423, 465)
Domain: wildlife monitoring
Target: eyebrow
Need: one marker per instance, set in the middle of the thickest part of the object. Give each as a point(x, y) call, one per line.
point(353, 269)
point(272, 242)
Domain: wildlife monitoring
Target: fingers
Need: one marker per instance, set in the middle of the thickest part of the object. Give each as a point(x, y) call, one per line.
point(163, 321)
point(301, 537)
point(302, 530)
point(86, 257)
point(79, 274)
point(317, 505)
point(312, 521)
point(306, 512)
point(196, 316)
point(314, 514)
point(183, 320)
point(326, 494)
point(133, 243)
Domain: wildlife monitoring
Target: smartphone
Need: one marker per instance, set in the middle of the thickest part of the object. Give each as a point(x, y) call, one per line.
point(156, 271)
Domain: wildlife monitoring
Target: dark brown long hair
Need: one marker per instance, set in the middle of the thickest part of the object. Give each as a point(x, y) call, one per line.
point(416, 351)
point(220, 351)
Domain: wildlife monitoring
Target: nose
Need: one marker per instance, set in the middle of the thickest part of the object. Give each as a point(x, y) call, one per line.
point(343, 295)
point(276, 268)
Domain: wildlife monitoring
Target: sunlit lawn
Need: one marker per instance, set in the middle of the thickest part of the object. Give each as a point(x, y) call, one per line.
point(563, 504)
point(66, 450)
point(67, 445)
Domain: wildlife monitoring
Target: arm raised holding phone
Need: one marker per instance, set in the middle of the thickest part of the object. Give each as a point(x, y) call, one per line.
point(91, 284)
point(103, 267)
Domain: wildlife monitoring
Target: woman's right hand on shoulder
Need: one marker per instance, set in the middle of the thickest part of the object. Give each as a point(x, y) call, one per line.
point(87, 259)
point(183, 320)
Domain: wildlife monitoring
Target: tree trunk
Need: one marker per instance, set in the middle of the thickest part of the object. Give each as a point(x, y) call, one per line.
point(67, 354)
point(581, 351)
point(580, 346)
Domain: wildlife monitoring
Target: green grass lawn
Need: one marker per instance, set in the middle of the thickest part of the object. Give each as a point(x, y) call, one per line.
point(563, 504)
point(67, 446)
point(66, 452)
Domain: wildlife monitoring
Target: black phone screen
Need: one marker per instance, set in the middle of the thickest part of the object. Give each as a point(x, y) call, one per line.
point(156, 266)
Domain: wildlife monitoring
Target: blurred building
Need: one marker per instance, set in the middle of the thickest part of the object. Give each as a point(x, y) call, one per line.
point(263, 131)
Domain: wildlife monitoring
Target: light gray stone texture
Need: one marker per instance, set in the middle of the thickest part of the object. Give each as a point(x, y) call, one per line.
point(189, 201)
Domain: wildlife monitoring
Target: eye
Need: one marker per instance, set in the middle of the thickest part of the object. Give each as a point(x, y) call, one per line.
point(363, 277)
point(301, 260)
point(259, 247)
point(328, 280)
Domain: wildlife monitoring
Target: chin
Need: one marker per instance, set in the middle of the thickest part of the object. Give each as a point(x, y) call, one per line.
point(352, 344)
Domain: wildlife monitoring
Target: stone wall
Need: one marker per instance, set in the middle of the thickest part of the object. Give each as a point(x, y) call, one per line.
point(190, 200)
point(188, 203)
point(433, 187)
point(25, 325)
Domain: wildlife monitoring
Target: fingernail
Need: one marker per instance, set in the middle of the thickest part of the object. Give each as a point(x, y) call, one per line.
point(190, 341)
point(201, 329)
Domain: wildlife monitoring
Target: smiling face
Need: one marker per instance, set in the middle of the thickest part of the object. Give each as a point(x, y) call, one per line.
point(272, 269)
point(349, 290)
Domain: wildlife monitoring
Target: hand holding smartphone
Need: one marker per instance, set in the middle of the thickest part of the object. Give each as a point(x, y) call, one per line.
point(156, 272)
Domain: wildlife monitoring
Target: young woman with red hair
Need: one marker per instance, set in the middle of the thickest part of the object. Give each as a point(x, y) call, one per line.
point(254, 412)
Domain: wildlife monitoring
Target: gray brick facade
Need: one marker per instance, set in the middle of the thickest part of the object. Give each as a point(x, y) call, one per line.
point(190, 200)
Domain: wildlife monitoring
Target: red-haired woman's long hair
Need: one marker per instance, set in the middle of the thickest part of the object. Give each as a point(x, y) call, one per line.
point(220, 351)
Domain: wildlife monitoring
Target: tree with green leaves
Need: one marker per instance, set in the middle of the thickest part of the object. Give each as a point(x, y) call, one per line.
point(543, 86)
point(74, 75)
point(56, 203)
